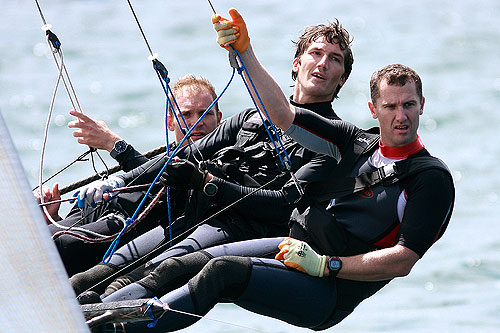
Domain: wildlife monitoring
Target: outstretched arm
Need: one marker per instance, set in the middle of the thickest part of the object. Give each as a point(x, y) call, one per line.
point(384, 264)
point(234, 32)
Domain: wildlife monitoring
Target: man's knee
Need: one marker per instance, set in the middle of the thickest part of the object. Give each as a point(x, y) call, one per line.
point(223, 278)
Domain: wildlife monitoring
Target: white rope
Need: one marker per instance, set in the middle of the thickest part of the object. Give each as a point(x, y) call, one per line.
point(216, 320)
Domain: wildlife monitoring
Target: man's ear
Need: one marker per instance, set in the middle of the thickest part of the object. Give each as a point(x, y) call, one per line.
point(343, 79)
point(219, 117)
point(371, 106)
point(295, 65)
point(422, 106)
point(170, 122)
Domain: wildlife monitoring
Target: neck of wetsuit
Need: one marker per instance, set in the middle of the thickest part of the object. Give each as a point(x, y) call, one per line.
point(324, 109)
point(404, 151)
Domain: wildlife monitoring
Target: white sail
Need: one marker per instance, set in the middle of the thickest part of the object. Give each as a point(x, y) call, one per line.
point(35, 294)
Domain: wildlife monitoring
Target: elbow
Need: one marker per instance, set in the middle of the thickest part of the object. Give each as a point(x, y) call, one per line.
point(403, 269)
point(402, 272)
point(404, 261)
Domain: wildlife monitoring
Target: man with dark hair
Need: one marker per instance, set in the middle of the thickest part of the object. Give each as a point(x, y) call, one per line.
point(333, 34)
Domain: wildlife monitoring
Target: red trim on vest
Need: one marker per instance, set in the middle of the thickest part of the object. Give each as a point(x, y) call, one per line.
point(404, 151)
point(390, 239)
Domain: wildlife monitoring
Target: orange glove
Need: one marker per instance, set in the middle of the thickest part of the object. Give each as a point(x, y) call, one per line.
point(232, 31)
point(299, 255)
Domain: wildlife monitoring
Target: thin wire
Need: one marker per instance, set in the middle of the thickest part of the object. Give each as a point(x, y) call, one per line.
point(161, 246)
point(40, 11)
point(216, 320)
point(44, 143)
point(140, 28)
point(288, 164)
point(213, 9)
point(55, 48)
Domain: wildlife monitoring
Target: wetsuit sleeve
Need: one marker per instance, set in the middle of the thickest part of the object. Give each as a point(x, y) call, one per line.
point(430, 199)
point(275, 205)
point(224, 135)
point(130, 159)
point(320, 134)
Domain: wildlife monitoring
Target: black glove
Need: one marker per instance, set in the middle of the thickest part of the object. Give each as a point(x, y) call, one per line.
point(183, 175)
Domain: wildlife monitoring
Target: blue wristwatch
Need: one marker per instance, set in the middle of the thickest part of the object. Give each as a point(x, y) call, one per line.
point(334, 265)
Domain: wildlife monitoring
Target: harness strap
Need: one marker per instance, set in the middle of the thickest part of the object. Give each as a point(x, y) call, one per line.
point(387, 175)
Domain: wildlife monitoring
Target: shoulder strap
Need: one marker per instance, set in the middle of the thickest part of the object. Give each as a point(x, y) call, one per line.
point(249, 133)
point(387, 175)
point(365, 141)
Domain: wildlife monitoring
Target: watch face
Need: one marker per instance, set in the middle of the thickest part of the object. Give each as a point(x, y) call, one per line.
point(334, 264)
point(120, 146)
point(210, 189)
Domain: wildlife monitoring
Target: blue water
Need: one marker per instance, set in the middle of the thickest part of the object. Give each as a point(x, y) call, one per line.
point(454, 45)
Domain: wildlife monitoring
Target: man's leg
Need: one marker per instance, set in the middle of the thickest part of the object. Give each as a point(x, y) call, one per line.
point(264, 286)
point(204, 236)
point(122, 257)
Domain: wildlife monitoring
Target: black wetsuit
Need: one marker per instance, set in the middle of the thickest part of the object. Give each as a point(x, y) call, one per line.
point(108, 218)
point(414, 213)
point(238, 168)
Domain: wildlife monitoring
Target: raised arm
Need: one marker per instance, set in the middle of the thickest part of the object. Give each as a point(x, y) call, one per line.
point(233, 33)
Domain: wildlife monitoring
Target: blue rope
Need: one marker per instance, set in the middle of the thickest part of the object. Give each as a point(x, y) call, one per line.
point(240, 70)
point(168, 102)
point(183, 131)
point(112, 248)
point(149, 311)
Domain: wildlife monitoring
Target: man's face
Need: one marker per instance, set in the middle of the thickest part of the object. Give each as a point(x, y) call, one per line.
point(398, 110)
point(192, 105)
point(319, 72)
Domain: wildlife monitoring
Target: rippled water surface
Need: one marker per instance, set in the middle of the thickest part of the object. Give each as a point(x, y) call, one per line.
point(454, 45)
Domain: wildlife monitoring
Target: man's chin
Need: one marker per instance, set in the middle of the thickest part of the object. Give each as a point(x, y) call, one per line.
point(197, 136)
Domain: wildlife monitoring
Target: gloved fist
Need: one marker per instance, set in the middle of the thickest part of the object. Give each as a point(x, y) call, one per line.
point(299, 255)
point(93, 192)
point(232, 31)
point(183, 175)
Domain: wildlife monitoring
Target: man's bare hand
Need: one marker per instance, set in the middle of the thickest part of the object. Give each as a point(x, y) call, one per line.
point(49, 196)
point(94, 133)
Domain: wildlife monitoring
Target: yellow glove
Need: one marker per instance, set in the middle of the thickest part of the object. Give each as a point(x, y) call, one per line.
point(299, 255)
point(232, 31)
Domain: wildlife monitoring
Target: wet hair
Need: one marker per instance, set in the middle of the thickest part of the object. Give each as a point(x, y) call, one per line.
point(333, 33)
point(196, 85)
point(395, 74)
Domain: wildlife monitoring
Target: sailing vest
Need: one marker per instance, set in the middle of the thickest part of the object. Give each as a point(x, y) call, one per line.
point(324, 230)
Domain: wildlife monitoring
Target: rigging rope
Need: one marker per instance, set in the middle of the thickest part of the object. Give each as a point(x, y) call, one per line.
point(63, 75)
